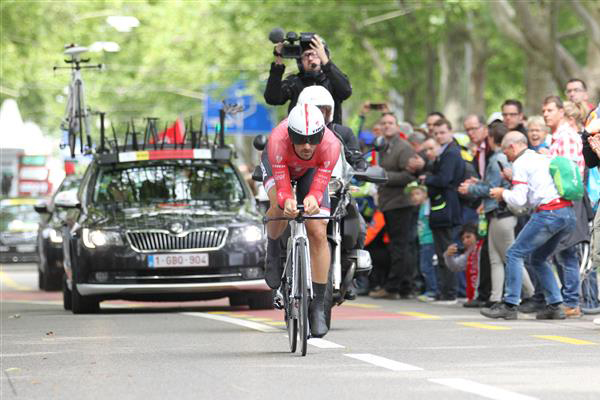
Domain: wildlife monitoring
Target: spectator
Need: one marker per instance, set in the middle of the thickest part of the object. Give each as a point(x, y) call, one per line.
point(576, 92)
point(477, 130)
point(566, 143)
point(502, 223)
point(446, 213)
point(389, 125)
point(431, 119)
point(537, 132)
point(591, 152)
point(416, 140)
point(468, 259)
point(551, 221)
point(418, 196)
point(575, 114)
point(401, 164)
point(316, 68)
point(512, 116)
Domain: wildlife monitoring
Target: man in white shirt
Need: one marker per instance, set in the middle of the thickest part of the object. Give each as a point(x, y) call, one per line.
point(552, 219)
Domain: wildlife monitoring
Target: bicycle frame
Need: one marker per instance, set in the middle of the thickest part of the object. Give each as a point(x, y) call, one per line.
point(298, 233)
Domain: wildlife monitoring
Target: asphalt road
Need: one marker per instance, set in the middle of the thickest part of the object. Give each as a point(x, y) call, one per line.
point(377, 349)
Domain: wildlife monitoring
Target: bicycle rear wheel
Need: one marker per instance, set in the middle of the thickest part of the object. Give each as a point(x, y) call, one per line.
point(303, 268)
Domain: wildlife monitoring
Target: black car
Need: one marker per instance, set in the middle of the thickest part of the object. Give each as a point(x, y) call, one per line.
point(49, 237)
point(172, 224)
point(18, 230)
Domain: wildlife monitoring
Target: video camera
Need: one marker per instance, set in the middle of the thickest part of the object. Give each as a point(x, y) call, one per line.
point(293, 45)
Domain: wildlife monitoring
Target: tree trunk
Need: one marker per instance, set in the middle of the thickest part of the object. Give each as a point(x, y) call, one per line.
point(451, 55)
point(538, 85)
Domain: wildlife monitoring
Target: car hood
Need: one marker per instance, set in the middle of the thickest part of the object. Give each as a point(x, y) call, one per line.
point(170, 219)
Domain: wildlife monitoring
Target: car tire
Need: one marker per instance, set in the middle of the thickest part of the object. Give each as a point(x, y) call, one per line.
point(41, 278)
point(81, 304)
point(261, 301)
point(237, 300)
point(52, 282)
point(67, 305)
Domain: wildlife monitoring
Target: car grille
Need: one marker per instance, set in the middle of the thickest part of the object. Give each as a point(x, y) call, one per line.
point(197, 240)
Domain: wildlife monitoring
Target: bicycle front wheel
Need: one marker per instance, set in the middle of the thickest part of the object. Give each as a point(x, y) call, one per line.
point(291, 322)
point(303, 268)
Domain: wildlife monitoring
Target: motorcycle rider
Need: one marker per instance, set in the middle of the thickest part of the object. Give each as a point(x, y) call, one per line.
point(320, 97)
point(302, 148)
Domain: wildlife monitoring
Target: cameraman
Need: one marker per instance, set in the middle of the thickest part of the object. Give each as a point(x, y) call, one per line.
point(315, 69)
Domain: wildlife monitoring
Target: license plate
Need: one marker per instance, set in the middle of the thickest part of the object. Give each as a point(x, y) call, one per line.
point(178, 260)
point(26, 248)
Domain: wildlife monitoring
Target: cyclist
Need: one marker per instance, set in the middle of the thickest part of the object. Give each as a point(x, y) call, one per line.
point(301, 148)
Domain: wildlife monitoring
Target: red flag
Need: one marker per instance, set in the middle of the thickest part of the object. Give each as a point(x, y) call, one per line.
point(173, 134)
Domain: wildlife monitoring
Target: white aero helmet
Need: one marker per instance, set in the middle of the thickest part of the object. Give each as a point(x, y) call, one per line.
point(317, 96)
point(305, 124)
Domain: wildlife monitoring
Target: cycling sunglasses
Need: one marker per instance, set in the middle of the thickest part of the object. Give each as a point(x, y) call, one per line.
point(299, 139)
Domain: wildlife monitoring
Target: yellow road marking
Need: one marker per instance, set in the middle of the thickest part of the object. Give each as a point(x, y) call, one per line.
point(8, 281)
point(564, 339)
point(259, 319)
point(418, 315)
point(277, 323)
point(361, 305)
point(484, 326)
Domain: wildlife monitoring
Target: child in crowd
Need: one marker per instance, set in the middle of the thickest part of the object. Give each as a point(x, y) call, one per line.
point(418, 196)
point(468, 260)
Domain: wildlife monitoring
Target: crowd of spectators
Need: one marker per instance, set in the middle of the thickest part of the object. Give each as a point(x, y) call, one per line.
point(452, 221)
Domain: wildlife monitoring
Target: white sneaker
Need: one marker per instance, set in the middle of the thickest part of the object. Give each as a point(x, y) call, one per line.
point(426, 299)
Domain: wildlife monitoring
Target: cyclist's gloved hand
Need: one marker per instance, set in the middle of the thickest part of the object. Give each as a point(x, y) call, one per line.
point(290, 209)
point(311, 206)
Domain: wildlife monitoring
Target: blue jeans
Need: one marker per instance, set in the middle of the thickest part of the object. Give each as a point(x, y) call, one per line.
point(537, 240)
point(426, 252)
point(567, 265)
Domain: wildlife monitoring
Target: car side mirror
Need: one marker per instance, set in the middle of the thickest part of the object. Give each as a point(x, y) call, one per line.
point(380, 144)
point(260, 142)
point(67, 199)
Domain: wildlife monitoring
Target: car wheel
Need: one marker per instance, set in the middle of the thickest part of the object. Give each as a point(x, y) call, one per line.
point(66, 295)
point(41, 279)
point(261, 301)
point(81, 304)
point(236, 300)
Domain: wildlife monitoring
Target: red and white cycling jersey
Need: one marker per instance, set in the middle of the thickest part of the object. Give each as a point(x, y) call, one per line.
point(286, 164)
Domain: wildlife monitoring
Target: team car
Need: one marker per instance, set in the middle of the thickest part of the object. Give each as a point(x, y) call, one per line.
point(49, 237)
point(19, 225)
point(163, 224)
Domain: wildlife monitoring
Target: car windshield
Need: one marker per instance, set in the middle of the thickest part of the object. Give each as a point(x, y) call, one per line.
point(18, 218)
point(178, 183)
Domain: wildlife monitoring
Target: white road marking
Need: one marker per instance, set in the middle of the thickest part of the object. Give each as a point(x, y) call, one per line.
point(384, 362)
point(480, 389)
point(36, 353)
point(235, 321)
point(324, 344)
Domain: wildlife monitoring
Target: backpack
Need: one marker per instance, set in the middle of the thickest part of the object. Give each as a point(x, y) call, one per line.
point(567, 178)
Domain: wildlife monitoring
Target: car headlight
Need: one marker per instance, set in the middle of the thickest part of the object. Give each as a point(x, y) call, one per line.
point(97, 238)
point(246, 234)
point(55, 236)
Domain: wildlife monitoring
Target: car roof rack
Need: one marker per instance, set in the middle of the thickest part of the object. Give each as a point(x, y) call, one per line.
point(149, 145)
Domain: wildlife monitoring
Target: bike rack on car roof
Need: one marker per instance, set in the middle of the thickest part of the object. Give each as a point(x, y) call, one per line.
point(197, 147)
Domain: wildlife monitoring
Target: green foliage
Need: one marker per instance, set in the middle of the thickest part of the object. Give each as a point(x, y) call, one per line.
point(180, 48)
